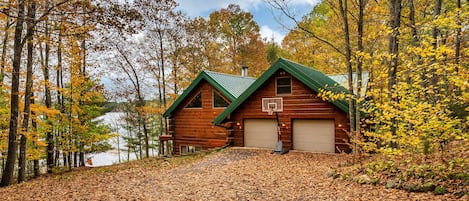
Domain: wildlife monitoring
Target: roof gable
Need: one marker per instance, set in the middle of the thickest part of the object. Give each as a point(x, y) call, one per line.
point(230, 86)
point(308, 76)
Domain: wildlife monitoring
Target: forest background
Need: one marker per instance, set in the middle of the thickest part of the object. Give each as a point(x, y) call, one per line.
point(413, 113)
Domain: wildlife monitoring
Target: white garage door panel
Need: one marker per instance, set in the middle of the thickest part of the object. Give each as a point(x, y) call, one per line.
point(314, 135)
point(260, 133)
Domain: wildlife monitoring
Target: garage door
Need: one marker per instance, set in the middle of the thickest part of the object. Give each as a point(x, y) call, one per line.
point(314, 135)
point(260, 133)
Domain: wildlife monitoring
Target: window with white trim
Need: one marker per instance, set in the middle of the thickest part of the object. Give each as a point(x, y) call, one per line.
point(188, 149)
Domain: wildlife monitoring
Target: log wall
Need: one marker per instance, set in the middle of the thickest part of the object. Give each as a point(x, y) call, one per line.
point(193, 126)
point(303, 103)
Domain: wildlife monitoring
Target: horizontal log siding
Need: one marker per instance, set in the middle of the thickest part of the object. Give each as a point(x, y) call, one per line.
point(193, 126)
point(303, 103)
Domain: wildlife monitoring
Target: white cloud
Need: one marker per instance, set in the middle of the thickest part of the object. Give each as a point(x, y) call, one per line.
point(196, 8)
point(268, 33)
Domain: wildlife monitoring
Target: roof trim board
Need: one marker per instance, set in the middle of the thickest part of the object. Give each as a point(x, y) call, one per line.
point(209, 76)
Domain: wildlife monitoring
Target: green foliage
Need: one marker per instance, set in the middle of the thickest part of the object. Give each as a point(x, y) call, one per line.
point(109, 107)
point(274, 51)
point(439, 190)
point(4, 123)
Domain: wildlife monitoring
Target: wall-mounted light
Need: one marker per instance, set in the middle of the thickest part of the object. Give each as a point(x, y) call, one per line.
point(283, 124)
point(238, 123)
point(340, 125)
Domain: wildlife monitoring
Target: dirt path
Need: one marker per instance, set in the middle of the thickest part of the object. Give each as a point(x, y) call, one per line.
point(233, 174)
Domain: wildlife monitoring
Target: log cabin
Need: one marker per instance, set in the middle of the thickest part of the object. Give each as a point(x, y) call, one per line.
point(298, 117)
point(281, 105)
point(190, 117)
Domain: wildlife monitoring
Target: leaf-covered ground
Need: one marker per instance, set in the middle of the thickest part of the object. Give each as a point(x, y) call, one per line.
point(232, 174)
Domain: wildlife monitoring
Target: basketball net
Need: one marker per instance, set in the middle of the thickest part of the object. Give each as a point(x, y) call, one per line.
point(271, 110)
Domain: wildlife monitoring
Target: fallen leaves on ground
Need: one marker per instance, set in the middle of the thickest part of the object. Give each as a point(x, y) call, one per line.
point(232, 174)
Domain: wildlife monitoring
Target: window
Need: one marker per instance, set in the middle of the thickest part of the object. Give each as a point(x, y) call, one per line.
point(187, 149)
point(283, 85)
point(218, 100)
point(196, 102)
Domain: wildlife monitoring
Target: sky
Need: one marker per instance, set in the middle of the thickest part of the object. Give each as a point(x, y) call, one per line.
point(271, 22)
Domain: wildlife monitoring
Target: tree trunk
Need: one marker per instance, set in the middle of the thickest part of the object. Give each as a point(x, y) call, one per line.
point(59, 72)
point(60, 137)
point(457, 44)
point(28, 90)
point(435, 33)
point(64, 158)
point(360, 23)
point(5, 42)
point(160, 95)
point(36, 167)
point(415, 43)
point(69, 158)
point(75, 159)
point(133, 76)
point(81, 145)
point(163, 78)
point(7, 176)
point(393, 47)
point(48, 99)
point(343, 6)
point(435, 30)
point(82, 156)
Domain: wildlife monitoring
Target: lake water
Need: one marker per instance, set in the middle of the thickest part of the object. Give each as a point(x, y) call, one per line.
point(116, 122)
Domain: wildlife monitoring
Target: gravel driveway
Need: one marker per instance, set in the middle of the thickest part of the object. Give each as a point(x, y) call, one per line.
point(232, 174)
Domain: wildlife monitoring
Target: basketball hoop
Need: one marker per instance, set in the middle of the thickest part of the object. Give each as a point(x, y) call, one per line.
point(271, 109)
point(271, 105)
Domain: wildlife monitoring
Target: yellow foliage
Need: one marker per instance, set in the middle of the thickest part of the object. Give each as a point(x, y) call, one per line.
point(41, 109)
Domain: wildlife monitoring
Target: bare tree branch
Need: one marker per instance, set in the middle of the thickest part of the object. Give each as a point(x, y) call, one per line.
point(281, 5)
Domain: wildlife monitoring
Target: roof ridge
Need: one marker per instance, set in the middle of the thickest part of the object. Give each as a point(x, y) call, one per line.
point(226, 74)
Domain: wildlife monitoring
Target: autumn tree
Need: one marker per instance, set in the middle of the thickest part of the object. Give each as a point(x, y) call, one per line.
point(314, 42)
point(200, 52)
point(240, 38)
point(32, 125)
point(414, 63)
point(7, 175)
point(31, 15)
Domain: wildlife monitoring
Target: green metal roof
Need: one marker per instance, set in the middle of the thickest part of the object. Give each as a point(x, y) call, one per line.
point(230, 86)
point(308, 76)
